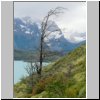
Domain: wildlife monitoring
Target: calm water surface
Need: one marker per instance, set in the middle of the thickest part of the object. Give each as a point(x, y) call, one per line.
point(19, 70)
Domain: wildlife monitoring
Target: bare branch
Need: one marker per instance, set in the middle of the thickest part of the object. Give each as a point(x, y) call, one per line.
point(56, 30)
point(52, 12)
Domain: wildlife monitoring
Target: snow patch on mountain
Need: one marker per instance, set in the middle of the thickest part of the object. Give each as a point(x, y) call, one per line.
point(22, 26)
point(38, 24)
point(27, 32)
point(27, 20)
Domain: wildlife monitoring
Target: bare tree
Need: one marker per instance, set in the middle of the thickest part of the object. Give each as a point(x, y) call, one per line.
point(45, 33)
point(30, 69)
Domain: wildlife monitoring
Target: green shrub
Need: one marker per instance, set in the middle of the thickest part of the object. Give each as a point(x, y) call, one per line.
point(76, 90)
point(56, 89)
point(71, 92)
point(40, 86)
point(82, 93)
point(28, 90)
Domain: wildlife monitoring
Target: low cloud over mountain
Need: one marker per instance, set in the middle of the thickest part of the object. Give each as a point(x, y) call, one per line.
point(27, 35)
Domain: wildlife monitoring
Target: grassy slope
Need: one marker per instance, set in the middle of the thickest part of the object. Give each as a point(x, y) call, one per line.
point(64, 78)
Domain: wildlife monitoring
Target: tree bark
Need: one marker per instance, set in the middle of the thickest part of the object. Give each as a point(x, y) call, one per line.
point(41, 58)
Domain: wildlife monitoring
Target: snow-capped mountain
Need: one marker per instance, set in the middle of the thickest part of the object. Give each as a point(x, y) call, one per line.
point(27, 35)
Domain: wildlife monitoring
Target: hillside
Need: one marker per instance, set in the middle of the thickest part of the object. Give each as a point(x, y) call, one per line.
point(65, 78)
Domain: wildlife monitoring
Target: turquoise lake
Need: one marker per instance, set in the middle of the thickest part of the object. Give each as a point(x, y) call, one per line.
point(19, 70)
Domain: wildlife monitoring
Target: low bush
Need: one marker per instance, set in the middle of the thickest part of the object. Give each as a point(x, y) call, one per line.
point(56, 89)
point(40, 86)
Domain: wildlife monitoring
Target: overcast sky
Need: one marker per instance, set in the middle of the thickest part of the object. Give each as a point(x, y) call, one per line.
point(71, 21)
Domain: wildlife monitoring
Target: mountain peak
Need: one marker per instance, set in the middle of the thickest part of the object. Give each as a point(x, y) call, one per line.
point(27, 36)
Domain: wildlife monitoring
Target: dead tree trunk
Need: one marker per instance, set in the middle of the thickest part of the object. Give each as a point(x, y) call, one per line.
point(41, 57)
point(45, 34)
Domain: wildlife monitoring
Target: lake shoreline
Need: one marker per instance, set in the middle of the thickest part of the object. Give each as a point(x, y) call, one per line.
point(19, 69)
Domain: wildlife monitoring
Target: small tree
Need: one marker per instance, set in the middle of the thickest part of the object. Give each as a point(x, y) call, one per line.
point(30, 69)
point(45, 33)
